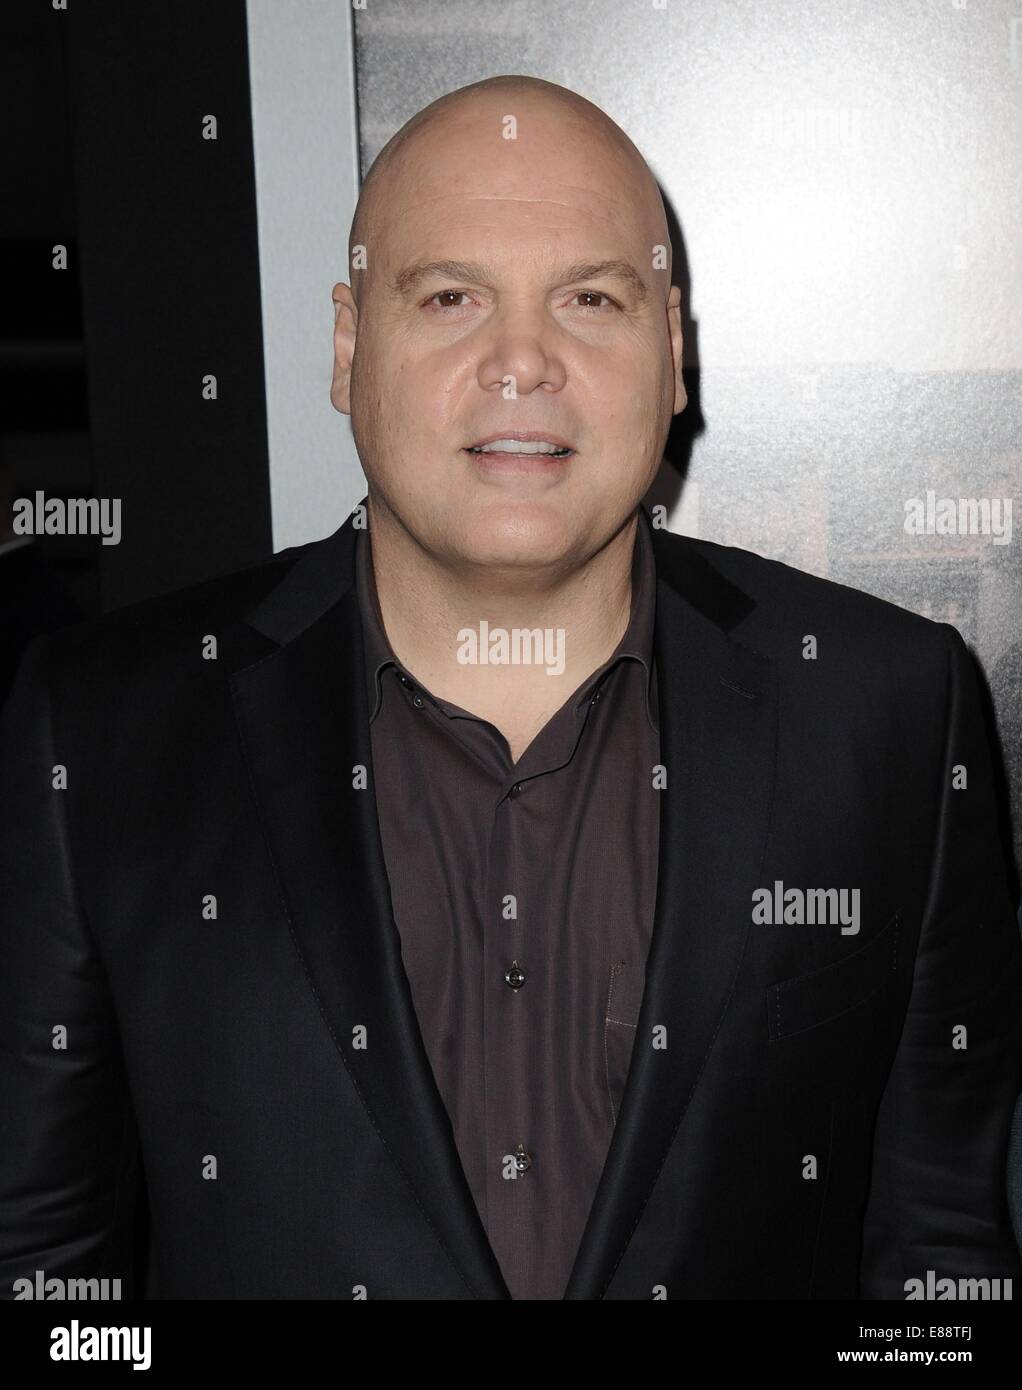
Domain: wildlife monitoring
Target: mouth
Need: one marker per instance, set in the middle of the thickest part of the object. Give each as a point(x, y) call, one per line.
point(521, 444)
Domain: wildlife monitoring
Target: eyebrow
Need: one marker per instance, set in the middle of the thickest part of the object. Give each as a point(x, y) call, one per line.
point(407, 279)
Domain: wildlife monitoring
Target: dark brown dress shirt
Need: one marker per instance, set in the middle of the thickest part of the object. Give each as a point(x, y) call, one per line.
point(523, 894)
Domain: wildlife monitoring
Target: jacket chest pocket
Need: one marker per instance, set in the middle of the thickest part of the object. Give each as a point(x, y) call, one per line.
point(624, 998)
point(820, 996)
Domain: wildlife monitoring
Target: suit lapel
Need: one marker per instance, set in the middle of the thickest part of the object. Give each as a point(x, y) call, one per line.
point(718, 713)
point(304, 723)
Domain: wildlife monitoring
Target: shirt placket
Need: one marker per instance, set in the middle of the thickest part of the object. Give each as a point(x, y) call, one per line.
point(512, 998)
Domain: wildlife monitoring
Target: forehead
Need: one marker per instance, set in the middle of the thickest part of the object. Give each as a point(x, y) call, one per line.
point(555, 185)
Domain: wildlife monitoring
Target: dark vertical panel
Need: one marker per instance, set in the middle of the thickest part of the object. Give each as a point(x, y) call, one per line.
point(170, 288)
point(51, 581)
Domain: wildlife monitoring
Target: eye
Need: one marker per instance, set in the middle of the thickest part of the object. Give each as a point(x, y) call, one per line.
point(447, 294)
point(593, 294)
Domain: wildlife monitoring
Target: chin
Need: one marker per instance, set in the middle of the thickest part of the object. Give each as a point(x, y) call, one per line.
point(519, 532)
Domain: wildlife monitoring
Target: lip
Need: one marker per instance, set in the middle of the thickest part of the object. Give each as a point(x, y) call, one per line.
point(523, 437)
point(520, 465)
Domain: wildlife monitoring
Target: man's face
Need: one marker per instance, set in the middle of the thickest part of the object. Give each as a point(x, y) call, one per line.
point(511, 286)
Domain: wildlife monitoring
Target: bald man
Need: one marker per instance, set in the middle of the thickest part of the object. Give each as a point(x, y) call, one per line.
point(505, 898)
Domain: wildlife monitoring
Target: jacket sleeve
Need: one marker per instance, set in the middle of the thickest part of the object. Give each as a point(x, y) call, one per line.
point(68, 1144)
point(938, 1194)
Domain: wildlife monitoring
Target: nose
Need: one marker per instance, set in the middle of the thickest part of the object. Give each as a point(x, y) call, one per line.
point(520, 353)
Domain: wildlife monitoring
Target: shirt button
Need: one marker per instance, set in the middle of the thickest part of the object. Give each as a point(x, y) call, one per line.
point(404, 679)
point(418, 701)
point(515, 976)
point(516, 790)
point(523, 1161)
point(596, 696)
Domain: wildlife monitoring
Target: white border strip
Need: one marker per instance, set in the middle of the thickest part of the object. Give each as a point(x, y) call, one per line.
point(302, 76)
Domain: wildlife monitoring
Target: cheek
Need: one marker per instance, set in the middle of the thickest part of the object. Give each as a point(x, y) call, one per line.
point(624, 388)
point(420, 394)
point(632, 353)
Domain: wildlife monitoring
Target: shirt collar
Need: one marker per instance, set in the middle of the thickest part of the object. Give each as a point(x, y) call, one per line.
point(636, 642)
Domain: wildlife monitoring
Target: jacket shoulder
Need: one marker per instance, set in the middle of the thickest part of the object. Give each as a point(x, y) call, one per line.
point(782, 594)
point(164, 628)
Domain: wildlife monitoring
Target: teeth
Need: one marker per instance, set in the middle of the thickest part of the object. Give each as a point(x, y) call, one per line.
point(518, 446)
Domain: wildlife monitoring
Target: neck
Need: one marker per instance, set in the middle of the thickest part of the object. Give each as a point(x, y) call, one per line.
point(582, 612)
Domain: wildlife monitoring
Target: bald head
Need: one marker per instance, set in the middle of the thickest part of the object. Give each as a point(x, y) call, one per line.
point(505, 127)
point(510, 281)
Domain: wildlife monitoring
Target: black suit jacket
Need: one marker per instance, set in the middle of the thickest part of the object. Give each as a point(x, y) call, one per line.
point(810, 1129)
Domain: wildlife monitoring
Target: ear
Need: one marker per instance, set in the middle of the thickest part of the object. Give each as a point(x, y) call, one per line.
point(677, 344)
point(345, 325)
